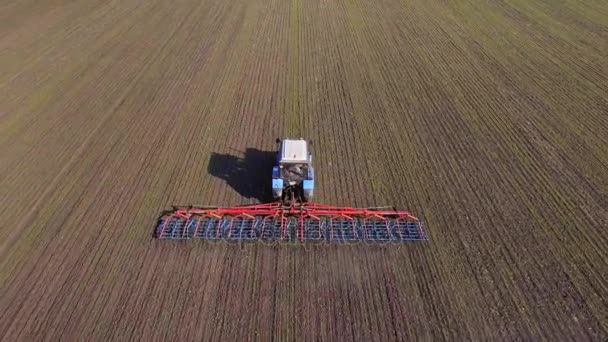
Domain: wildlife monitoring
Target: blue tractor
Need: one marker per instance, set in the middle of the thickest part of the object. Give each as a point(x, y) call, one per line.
point(293, 177)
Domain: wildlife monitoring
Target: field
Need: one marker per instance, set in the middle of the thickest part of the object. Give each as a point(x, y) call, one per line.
point(489, 119)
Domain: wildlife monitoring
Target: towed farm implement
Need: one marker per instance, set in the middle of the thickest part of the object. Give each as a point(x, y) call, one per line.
point(291, 217)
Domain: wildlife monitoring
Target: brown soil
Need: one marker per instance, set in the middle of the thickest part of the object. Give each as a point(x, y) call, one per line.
point(488, 119)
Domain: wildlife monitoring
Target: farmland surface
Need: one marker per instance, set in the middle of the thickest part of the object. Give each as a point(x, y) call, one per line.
point(489, 119)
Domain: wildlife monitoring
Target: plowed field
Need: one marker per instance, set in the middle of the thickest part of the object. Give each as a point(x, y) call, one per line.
point(489, 119)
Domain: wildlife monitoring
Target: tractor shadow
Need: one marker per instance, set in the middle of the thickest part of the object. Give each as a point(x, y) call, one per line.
point(249, 174)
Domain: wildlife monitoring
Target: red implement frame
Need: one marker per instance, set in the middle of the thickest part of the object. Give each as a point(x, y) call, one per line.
point(278, 210)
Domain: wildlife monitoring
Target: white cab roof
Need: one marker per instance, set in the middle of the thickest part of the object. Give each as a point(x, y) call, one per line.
point(294, 151)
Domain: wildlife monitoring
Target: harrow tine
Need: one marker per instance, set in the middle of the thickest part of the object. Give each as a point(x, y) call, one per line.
point(310, 222)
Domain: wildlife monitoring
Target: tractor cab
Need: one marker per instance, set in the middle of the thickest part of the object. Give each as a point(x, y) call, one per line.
point(293, 174)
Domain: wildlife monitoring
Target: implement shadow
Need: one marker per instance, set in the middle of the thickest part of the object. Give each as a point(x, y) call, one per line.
point(249, 175)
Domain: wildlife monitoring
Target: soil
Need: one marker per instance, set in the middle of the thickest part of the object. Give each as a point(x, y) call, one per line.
point(486, 119)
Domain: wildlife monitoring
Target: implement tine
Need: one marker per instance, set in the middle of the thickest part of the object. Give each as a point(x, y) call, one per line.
point(306, 222)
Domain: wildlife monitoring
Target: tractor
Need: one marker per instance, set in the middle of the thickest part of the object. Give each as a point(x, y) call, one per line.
point(292, 216)
point(293, 176)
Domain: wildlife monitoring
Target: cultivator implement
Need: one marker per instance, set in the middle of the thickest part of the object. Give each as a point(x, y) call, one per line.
point(307, 222)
